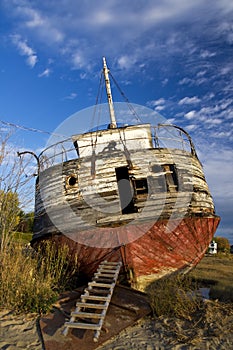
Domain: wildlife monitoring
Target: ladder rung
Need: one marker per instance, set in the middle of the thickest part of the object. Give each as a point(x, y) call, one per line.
point(100, 292)
point(101, 285)
point(100, 274)
point(107, 270)
point(86, 314)
point(92, 306)
point(102, 279)
point(92, 290)
point(95, 297)
point(83, 325)
point(110, 263)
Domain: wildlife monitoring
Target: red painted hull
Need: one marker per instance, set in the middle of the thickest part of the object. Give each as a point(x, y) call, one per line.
point(154, 254)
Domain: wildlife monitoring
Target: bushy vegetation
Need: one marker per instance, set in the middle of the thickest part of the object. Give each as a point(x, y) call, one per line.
point(223, 244)
point(174, 296)
point(9, 219)
point(31, 281)
point(25, 224)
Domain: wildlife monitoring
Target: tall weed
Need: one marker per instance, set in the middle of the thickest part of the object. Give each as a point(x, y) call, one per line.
point(32, 282)
point(174, 296)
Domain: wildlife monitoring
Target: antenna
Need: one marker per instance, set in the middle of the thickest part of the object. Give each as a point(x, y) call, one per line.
point(113, 124)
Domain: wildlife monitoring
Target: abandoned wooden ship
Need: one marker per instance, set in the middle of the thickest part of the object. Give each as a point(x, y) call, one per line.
point(127, 196)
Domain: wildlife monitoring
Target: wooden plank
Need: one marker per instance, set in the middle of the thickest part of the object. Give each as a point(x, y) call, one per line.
point(102, 279)
point(105, 275)
point(101, 285)
point(100, 292)
point(92, 306)
point(109, 263)
point(112, 273)
point(91, 326)
point(95, 297)
point(86, 315)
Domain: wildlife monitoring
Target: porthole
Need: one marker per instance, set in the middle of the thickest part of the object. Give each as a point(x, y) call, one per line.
point(71, 180)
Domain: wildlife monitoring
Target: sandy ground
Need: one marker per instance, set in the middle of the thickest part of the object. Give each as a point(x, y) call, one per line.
point(19, 332)
point(209, 331)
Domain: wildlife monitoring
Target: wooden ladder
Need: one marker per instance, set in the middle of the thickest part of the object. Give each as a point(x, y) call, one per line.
point(95, 300)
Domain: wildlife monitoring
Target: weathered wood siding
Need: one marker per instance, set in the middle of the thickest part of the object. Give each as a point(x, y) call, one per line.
point(88, 185)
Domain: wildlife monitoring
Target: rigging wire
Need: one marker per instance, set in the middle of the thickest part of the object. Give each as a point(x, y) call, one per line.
point(133, 111)
point(98, 100)
point(26, 128)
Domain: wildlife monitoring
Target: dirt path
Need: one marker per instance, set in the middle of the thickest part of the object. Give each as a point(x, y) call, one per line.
point(211, 330)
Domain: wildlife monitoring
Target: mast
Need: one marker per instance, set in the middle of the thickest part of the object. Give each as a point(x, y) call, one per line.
point(113, 124)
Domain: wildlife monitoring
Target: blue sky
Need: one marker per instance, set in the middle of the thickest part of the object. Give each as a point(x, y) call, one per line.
point(174, 56)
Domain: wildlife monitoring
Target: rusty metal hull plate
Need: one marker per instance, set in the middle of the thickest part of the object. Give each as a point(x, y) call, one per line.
point(157, 252)
point(126, 307)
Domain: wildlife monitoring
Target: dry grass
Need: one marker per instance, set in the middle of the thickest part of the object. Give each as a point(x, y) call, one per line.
point(216, 272)
point(174, 296)
point(31, 282)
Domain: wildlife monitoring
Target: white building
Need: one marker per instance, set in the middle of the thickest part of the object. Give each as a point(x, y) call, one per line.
point(212, 248)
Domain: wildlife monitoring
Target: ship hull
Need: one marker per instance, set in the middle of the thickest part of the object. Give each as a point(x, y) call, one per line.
point(130, 200)
point(169, 246)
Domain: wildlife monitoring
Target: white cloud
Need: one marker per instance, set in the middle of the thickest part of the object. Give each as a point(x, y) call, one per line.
point(164, 82)
point(32, 60)
point(23, 47)
point(190, 127)
point(214, 121)
point(226, 28)
point(126, 62)
point(223, 134)
point(189, 100)
point(190, 115)
point(45, 73)
point(78, 60)
point(219, 171)
point(25, 50)
point(102, 17)
point(226, 69)
point(155, 103)
point(185, 81)
point(159, 108)
point(207, 54)
point(44, 24)
point(217, 163)
point(201, 73)
point(71, 96)
point(91, 30)
point(226, 5)
point(34, 17)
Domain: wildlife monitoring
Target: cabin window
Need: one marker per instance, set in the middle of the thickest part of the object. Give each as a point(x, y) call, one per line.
point(141, 186)
point(171, 177)
point(156, 168)
point(126, 190)
point(76, 147)
point(168, 181)
point(157, 184)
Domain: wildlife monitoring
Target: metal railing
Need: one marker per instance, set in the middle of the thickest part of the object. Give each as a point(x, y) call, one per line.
point(163, 136)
